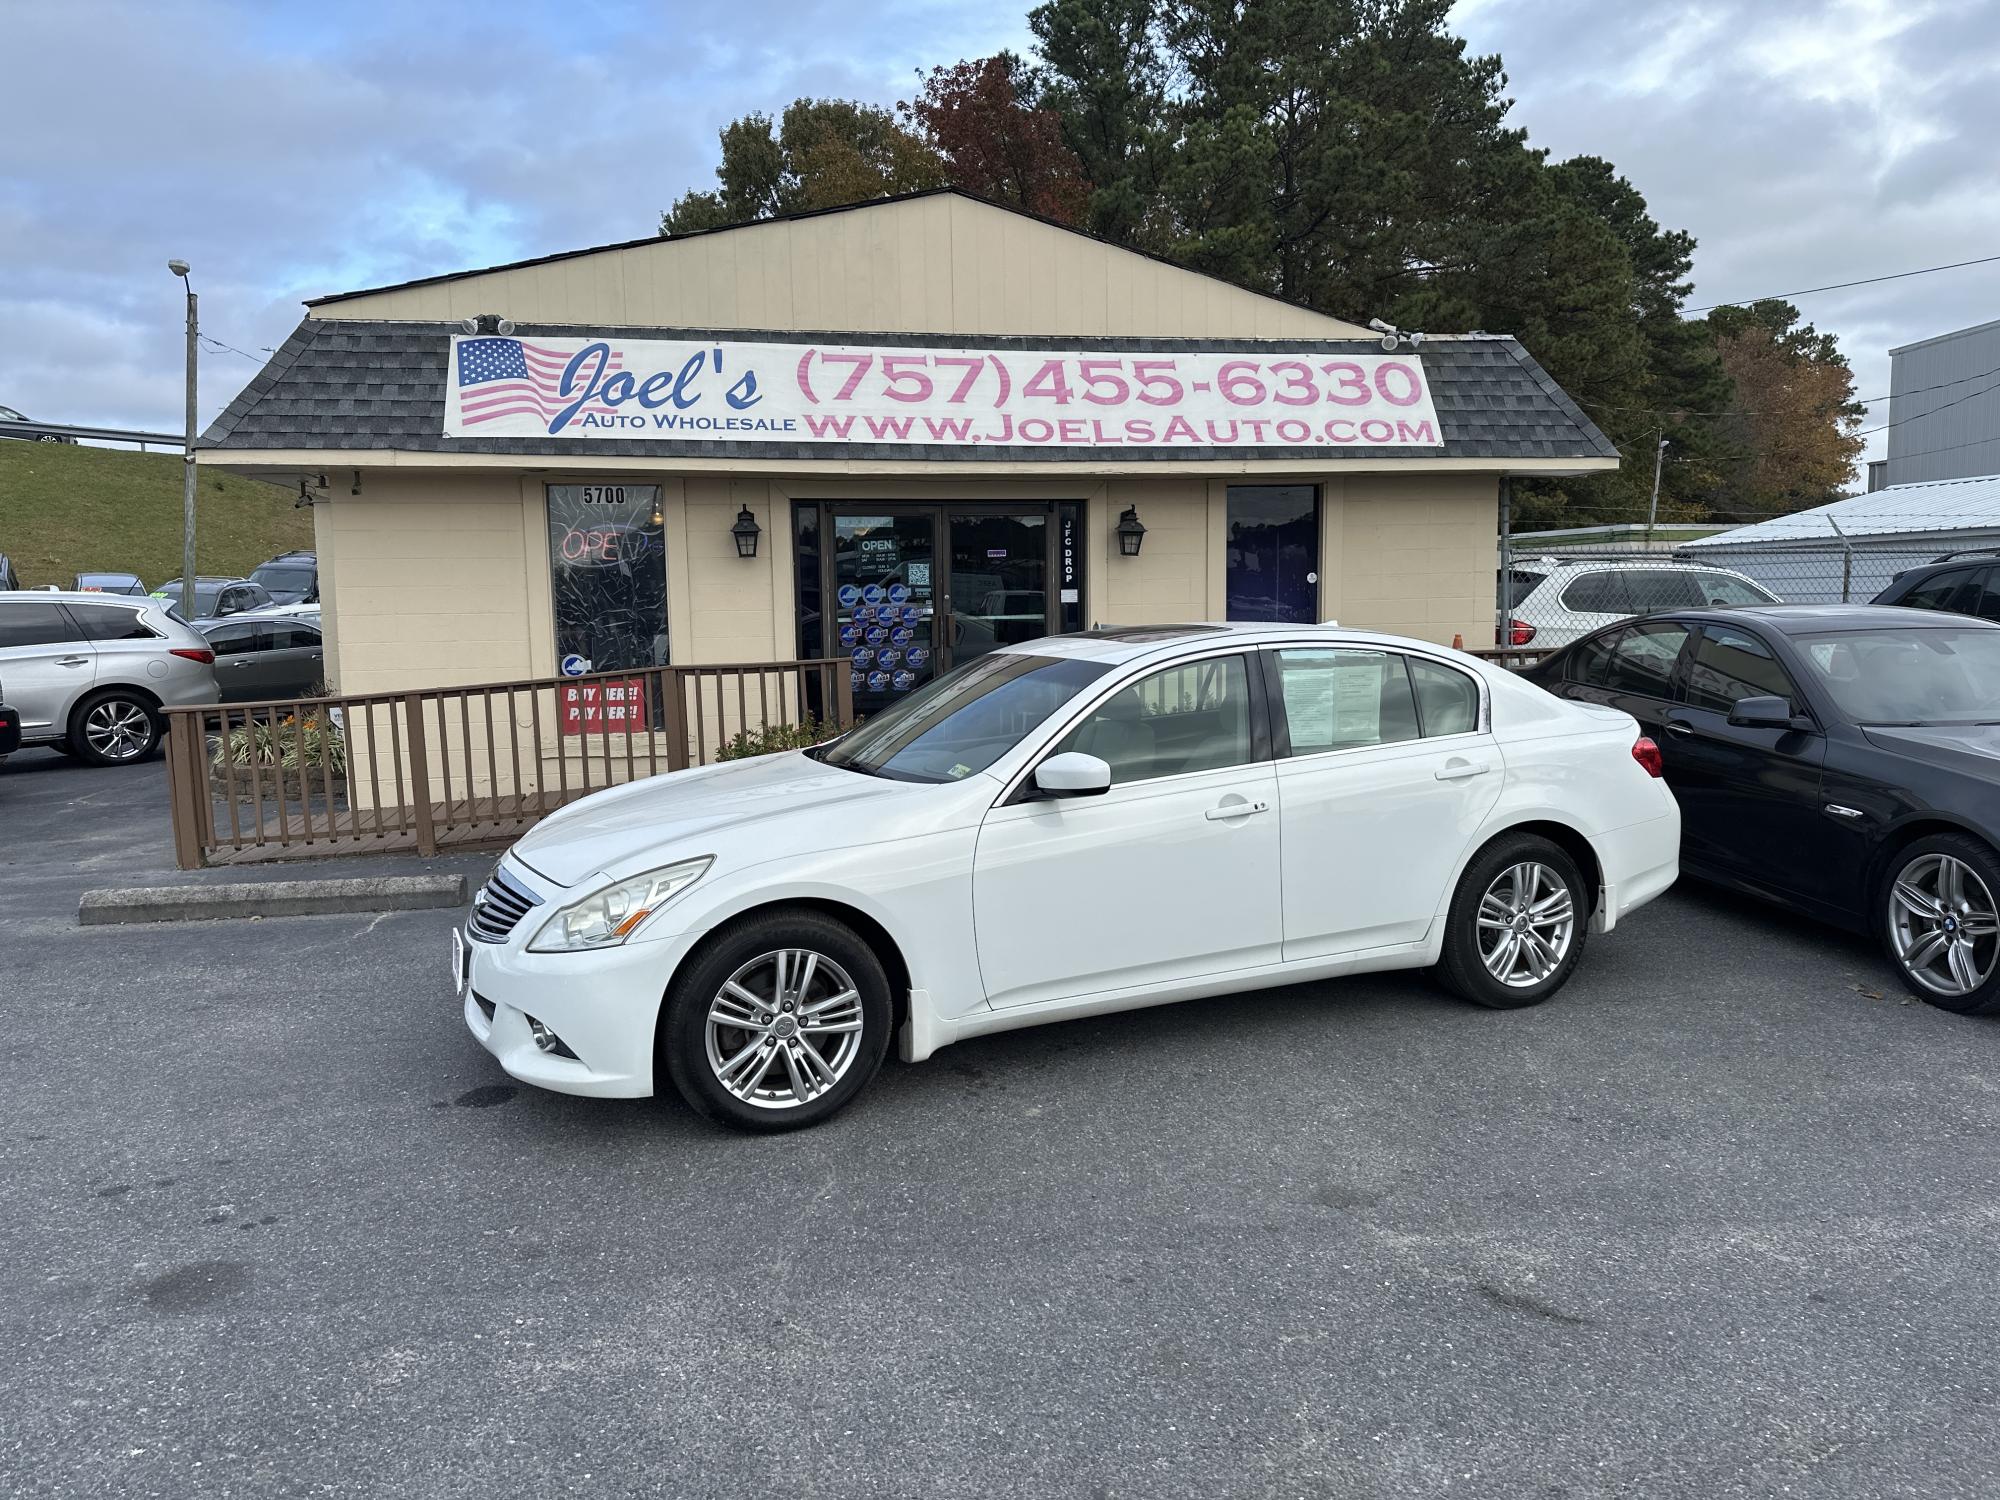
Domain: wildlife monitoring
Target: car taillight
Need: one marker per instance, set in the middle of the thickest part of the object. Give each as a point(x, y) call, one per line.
point(1647, 754)
point(1519, 632)
point(206, 658)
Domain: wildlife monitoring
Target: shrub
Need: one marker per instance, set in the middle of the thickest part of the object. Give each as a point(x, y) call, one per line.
point(775, 737)
point(258, 744)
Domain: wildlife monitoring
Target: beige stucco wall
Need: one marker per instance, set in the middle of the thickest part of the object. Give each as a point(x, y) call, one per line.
point(941, 264)
point(434, 579)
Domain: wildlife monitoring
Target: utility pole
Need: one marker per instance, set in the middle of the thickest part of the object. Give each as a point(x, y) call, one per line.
point(1653, 506)
point(180, 269)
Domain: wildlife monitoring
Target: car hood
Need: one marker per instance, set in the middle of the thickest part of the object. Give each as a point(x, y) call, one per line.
point(788, 802)
point(1974, 748)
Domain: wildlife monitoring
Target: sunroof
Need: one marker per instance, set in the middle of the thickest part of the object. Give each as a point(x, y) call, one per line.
point(1149, 632)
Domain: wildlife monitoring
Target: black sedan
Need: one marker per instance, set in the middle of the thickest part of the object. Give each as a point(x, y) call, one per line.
point(1843, 760)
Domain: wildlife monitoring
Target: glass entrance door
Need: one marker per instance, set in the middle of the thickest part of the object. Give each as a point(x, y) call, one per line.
point(918, 589)
point(883, 610)
point(999, 588)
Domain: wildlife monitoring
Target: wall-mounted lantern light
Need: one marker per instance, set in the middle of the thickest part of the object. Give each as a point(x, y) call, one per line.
point(745, 531)
point(1130, 532)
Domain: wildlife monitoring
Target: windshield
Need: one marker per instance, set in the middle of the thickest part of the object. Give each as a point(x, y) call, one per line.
point(205, 595)
point(287, 584)
point(1936, 675)
point(965, 720)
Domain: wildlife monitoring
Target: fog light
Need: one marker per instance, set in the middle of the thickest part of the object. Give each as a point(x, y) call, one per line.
point(547, 1040)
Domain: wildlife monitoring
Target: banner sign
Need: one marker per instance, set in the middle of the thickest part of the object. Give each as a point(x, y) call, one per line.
point(603, 707)
point(679, 391)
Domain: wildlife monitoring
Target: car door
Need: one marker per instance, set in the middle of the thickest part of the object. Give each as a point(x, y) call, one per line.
point(1750, 797)
point(1386, 770)
point(1169, 876)
point(45, 665)
point(296, 660)
point(1630, 667)
point(239, 664)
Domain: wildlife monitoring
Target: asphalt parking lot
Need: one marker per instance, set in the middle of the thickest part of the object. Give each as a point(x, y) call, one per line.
point(1721, 1219)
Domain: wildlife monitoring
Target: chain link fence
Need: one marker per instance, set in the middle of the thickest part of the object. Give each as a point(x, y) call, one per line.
point(1555, 586)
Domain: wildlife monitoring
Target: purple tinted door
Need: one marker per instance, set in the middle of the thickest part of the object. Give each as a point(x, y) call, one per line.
point(1273, 571)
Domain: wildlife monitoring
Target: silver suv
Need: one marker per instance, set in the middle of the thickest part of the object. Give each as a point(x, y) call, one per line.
point(89, 673)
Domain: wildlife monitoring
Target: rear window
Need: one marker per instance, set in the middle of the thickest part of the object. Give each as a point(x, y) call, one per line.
point(107, 622)
point(1517, 583)
point(1939, 591)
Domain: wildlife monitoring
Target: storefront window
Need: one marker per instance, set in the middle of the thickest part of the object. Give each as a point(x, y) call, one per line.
point(608, 561)
point(1273, 571)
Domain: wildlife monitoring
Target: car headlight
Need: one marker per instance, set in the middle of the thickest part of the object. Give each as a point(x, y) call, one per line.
point(609, 917)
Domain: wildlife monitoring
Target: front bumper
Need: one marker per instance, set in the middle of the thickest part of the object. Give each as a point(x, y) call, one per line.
point(604, 1005)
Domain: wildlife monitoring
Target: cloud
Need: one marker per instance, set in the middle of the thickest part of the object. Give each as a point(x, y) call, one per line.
point(288, 152)
point(1801, 143)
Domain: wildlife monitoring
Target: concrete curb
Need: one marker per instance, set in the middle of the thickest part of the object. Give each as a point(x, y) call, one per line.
point(275, 898)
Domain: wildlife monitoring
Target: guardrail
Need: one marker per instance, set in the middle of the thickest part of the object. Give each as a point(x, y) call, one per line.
point(34, 431)
point(461, 767)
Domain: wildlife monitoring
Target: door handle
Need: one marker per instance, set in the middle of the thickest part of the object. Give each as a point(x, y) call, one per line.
point(72, 661)
point(1458, 770)
point(1680, 727)
point(1235, 810)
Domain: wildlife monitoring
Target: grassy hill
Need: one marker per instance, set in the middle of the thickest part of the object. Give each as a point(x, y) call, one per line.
point(67, 510)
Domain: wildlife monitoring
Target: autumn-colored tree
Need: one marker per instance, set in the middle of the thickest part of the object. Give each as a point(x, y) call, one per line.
point(993, 142)
point(823, 153)
point(1793, 416)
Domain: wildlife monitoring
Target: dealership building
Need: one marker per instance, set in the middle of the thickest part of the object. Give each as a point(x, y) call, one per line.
point(899, 433)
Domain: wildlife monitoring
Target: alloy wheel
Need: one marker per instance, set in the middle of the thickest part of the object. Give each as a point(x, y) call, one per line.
point(1527, 920)
point(1944, 924)
point(118, 729)
point(784, 1028)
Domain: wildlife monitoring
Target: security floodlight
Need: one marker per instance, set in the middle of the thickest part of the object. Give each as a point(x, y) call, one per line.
point(1380, 326)
point(505, 325)
point(470, 325)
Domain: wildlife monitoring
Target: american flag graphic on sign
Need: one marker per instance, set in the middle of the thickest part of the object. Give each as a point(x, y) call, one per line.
point(510, 377)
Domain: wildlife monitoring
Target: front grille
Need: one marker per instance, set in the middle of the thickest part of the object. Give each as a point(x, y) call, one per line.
point(499, 907)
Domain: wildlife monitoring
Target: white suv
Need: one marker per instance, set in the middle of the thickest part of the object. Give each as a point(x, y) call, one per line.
point(89, 673)
point(1551, 601)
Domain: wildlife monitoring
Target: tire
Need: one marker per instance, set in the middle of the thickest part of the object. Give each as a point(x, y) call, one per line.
point(115, 728)
point(1916, 917)
point(785, 1090)
point(1464, 966)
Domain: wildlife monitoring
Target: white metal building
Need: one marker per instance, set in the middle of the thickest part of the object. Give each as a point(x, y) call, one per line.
point(1850, 549)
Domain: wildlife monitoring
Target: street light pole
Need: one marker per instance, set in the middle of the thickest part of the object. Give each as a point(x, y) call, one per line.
point(1652, 506)
point(180, 269)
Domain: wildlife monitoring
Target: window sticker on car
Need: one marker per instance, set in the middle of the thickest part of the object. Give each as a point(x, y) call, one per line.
point(961, 769)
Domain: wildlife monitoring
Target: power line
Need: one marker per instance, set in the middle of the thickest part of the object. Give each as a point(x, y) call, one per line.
point(231, 348)
point(1843, 285)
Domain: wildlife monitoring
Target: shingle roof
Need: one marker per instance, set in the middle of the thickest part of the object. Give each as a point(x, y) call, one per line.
point(348, 385)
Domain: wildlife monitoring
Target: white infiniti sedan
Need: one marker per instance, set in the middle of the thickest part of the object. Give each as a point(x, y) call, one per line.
point(1075, 825)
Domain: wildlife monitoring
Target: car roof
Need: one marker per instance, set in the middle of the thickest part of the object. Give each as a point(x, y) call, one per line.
point(1125, 643)
point(1804, 619)
point(1586, 564)
point(78, 596)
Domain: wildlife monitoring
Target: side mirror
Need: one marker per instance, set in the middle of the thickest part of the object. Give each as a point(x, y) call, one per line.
point(1762, 713)
point(1073, 775)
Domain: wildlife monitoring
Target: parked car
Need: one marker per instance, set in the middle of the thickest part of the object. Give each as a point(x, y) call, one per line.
point(109, 583)
point(8, 414)
point(90, 673)
point(214, 598)
point(1957, 583)
point(1070, 826)
point(1551, 601)
point(259, 659)
point(10, 725)
point(289, 578)
point(1843, 760)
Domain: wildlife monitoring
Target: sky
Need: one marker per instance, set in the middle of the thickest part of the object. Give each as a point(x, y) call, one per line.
point(286, 151)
